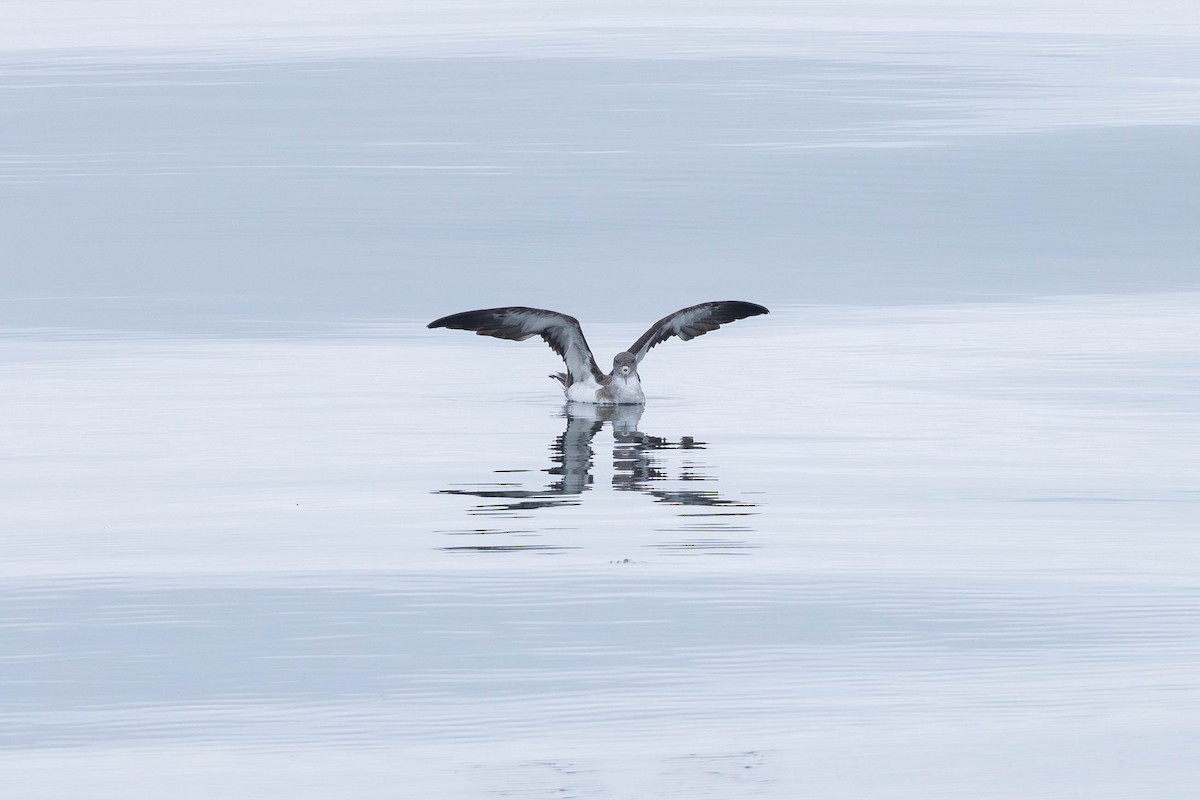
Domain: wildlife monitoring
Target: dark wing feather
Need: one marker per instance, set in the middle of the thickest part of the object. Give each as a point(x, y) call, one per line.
point(518, 323)
point(693, 321)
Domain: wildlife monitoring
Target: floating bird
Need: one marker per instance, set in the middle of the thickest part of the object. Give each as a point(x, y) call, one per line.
point(583, 382)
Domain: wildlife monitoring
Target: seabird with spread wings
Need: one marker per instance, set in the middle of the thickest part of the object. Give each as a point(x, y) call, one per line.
point(583, 381)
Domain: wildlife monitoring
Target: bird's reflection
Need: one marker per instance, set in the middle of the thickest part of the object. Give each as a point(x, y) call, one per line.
point(639, 465)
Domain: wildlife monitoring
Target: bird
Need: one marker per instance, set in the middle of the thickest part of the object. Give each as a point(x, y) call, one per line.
point(584, 381)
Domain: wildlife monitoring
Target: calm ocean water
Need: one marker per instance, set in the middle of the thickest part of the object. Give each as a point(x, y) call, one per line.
point(929, 529)
point(951, 547)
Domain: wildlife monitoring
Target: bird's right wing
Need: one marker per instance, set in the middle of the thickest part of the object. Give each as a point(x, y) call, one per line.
point(688, 323)
point(519, 323)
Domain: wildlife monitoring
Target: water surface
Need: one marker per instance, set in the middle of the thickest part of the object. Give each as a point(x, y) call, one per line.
point(927, 530)
point(907, 539)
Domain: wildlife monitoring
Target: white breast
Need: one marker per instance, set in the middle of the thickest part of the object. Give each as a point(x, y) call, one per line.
point(627, 390)
point(620, 392)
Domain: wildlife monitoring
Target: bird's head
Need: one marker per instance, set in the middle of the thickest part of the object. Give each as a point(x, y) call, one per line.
point(624, 364)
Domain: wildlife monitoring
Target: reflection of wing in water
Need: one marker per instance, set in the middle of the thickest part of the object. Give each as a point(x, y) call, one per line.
point(570, 461)
point(572, 453)
point(638, 463)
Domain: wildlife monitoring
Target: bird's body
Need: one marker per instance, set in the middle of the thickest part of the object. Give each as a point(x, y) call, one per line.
point(615, 389)
point(584, 382)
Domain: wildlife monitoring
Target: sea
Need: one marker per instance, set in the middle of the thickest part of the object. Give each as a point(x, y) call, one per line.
point(930, 528)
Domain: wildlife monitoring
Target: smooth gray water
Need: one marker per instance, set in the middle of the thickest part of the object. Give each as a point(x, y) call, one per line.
point(950, 547)
point(928, 529)
point(210, 195)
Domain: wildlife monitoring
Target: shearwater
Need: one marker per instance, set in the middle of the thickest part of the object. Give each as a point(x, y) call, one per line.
point(584, 382)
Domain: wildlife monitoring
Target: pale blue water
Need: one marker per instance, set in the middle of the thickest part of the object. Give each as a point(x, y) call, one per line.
point(929, 529)
point(947, 546)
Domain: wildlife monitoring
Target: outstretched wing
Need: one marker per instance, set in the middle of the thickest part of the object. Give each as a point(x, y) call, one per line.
point(518, 323)
point(693, 321)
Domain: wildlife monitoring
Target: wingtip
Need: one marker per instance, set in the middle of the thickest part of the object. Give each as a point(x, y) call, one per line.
point(750, 309)
point(445, 322)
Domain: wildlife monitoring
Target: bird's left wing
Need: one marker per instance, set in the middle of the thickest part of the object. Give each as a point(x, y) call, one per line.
point(693, 321)
point(561, 332)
